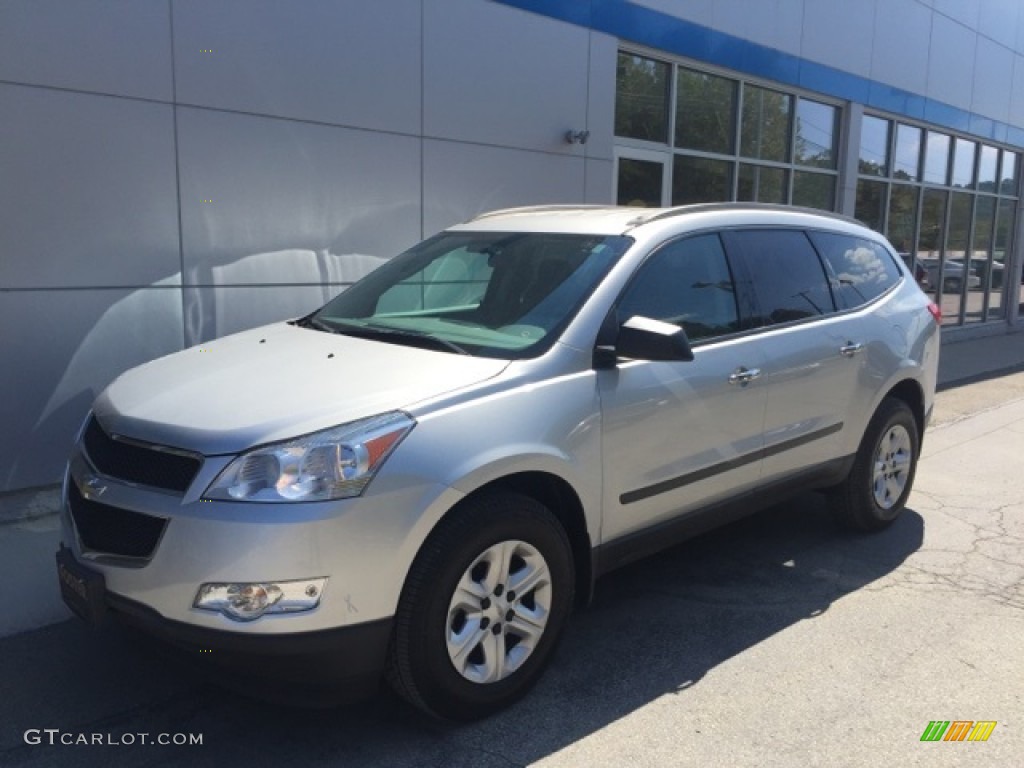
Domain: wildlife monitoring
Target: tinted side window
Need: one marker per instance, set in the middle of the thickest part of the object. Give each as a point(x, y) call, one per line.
point(861, 269)
point(785, 272)
point(686, 283)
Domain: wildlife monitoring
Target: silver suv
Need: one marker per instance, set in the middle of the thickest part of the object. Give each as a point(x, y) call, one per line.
point(421, 479)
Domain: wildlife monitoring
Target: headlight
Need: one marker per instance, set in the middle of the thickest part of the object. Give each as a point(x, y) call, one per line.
point(334, 464)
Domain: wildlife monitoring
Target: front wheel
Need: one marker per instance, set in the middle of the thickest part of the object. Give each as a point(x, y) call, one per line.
point(876, 490)
point(483, 607)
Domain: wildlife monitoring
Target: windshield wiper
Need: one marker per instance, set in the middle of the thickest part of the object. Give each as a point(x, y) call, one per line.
point(383, 333)
point(388, 333)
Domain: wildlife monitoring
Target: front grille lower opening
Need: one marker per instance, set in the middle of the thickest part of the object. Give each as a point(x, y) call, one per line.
point(104, 529)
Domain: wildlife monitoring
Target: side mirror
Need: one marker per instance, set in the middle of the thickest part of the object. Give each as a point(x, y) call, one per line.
point(642, 338)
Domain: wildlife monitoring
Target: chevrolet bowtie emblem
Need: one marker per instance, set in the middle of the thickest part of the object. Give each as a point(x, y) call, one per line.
point(92, 487)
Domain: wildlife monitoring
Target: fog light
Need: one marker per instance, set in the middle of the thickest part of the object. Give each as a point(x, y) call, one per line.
point(246, 601)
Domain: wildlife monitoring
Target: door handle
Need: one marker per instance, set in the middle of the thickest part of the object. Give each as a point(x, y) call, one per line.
point(850, 348)
point(744, 375)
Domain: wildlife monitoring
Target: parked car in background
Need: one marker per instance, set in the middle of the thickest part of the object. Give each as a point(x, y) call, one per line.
point(952, 277)
point(420, 480)
point(982, 266)
point(919, 272)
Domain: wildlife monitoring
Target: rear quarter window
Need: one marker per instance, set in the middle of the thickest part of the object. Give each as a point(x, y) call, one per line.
point(861, 270)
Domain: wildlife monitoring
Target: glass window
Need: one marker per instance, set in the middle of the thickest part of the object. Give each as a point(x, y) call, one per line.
point(930, 238)
point(758, 183)
point(981, 262)
point(861, 269)
point(639, 182)
point(907, 160)
point(988, 162)
point(705, 111)
point(815, 134)
point(871, 203)
point(933, 223)
point(903, 201)
point(764, 133)
point(960, 211)
point(963, 163)
point(686, 283)
point(786, 274)
point(936, 160)
point(700, 180)
point(1002, 248)
point(814, 190)
point(955, 275)
point(874, 146)
point(1008, 177)
point(641, 98)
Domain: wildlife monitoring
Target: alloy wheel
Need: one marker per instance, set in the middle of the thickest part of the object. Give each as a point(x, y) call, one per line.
point(499, 611)
point(892, 466)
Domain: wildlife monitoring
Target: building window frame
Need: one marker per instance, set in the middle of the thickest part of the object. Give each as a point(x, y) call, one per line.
point(960, 314)
point(790, 167)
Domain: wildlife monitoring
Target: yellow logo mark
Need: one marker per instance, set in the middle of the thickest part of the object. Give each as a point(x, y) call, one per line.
point(981, 730)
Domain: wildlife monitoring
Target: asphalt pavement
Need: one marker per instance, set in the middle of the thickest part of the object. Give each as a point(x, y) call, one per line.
point(776, 641)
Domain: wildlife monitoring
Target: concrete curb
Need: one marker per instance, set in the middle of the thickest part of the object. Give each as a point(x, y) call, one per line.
point(29, 504)
point(974, 378)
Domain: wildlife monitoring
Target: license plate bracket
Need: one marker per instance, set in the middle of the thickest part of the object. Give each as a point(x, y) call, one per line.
point(82, 590)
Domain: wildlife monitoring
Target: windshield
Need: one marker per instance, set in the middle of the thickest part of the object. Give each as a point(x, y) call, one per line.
point(492, 294)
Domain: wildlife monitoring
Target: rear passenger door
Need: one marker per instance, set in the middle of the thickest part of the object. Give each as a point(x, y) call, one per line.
point(812, 353)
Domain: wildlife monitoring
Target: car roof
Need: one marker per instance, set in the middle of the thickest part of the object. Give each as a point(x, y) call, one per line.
point(621, 220)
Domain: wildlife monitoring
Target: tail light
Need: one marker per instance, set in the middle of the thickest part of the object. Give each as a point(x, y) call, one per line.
point(936, 311)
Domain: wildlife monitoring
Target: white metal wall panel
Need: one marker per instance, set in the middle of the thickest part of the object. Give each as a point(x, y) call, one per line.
point(345, 62)
point(87, 190)
point(281, 187)
point(121, 47)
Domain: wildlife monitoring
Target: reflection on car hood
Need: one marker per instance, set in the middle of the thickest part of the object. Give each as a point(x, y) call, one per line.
point(273, 383)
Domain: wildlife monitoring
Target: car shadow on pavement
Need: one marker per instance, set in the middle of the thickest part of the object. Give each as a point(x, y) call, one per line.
point(655, 629)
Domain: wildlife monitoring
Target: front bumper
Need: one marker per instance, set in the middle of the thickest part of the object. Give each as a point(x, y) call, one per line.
point(348, 661)
point(363, 547)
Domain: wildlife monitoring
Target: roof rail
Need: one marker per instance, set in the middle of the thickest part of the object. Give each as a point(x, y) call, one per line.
point(665, 213)
point(542, 209)
point(647, 215)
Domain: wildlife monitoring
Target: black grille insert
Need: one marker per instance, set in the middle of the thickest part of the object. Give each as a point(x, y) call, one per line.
point(112, 530)
point(136, 463)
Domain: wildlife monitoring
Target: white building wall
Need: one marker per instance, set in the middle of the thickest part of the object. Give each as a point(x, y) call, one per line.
point(174, 170)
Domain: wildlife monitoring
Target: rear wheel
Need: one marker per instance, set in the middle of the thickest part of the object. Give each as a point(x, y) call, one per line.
point(482, 608)
point(876, 490)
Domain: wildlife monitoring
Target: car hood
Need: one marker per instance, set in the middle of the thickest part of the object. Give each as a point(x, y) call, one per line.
point(274, 383)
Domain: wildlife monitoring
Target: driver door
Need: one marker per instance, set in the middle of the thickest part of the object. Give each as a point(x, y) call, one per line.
point(679, 435)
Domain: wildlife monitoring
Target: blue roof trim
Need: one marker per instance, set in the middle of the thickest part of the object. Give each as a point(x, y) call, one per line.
point(646, 26)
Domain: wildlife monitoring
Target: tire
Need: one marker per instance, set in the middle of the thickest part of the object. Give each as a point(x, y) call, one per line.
point(951, 285)
point(876, 490)
point(455, 651)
